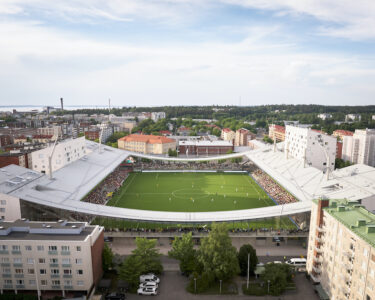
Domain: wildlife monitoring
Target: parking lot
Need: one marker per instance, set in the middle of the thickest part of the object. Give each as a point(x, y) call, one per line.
point(172, 287)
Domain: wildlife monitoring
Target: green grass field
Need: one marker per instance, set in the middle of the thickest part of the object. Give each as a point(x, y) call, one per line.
point(190, 192)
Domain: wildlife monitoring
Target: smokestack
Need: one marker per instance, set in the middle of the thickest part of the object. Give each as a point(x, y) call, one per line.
point(62, 103)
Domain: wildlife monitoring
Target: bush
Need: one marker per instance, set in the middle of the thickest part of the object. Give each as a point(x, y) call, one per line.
point(203, 283)
point(254, 289)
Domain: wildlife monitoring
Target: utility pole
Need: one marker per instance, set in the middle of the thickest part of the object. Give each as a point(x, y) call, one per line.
point(248, 270)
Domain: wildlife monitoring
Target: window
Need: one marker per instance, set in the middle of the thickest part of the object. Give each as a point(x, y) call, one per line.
point(66, 261)
point(68, 282)
point(2, 209)
point(3, 202)
point(52, 248)
point(55, 271)
point(64, 248)
point(365, 252)
point(19, 281)
point(17, 260)
point(79, 261)
point(32, 282)
point(28, 248)
point(40, 248)
point(67, 271)
point(18, 271)
point(43, 282)
point(53, 260)
point(4, 259)
point(42, 260)
point(30, 261)
point(6, 270)
point(55, 282)
point(43, 271)
point(80, 282)
point(16, 248)
point(8, 281)
point(30, 271)
point(78, 248)
point(3, 247)
point(80, 272)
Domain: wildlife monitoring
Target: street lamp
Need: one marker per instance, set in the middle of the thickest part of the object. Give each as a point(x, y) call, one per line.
point(195, 285)
point(220, 285)
point(268, 286)
point(248, 270)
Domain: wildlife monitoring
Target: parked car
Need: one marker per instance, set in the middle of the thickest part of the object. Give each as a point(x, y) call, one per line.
point(152, 284)
point(115, 296)
point(149, 277)
point(297, 262)
point(149, 291)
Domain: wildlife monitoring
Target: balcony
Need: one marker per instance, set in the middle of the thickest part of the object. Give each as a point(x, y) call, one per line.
point(66, 265)
point(55, 287)
point(52, 252)
point(16, 252)
point(4, 252)
point(315, 278)
point(5, 264)
point(320, 229)
point(316, 269)
point(20, 286)
point(319, 240)
point(68, 287)
point(67, 276)
point(65, 252)
point(18, 276)
point(7, 275)
point(318, 249)
point(348, 267)
point(55, 275)
point(349, 254)
point(17, 265)
point(54, 265)
point(8, 286)
point(318, 259)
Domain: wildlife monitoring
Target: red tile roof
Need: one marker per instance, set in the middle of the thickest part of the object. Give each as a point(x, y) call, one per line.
point(150, 139)
point(343, 132)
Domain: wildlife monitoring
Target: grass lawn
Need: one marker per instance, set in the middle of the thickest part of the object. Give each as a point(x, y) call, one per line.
point(190, 192)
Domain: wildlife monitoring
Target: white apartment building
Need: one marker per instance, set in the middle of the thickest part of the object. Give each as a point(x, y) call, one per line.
point(55, 131)
point(311, 146)
point(353, 117)
point(228, 135)
point(360, 148)
point(157, 115)
point(324, 116)
point(60, 258)
point(341, 249)
point(65, 152)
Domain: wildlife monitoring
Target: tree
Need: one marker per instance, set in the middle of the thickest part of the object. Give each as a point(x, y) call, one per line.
point(172, 152)
point(183, 250)
point(217, 255)
point(130, 271)
point(278, 275)
point(107, 258)
point(146, 249)
point(243, 259)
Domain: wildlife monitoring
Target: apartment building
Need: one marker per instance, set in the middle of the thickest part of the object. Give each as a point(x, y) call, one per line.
point(353, 117)
point(311, 146)
point(158, 115)
point(324, 116)
point(54, 131)
point(204, 147)
point(228, 134)
point(147, 144)
point(340, 133)
point(65, 152)
point(276, 132)
point(241, 137)
point(62, 258)
point(360, 148)
point(341, 249)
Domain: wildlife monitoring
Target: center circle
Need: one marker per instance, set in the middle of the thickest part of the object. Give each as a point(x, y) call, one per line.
point(188, 193)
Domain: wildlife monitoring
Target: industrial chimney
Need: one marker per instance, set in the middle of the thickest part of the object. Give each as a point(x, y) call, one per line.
point(62, 103)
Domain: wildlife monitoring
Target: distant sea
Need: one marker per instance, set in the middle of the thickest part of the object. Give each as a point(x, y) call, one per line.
point(40, 107)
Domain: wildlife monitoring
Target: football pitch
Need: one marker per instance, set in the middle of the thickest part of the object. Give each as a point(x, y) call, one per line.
point(190, 192)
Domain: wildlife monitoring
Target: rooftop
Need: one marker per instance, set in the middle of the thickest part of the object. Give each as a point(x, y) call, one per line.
point(150, 139)
point(206, 143)
point(355, 217)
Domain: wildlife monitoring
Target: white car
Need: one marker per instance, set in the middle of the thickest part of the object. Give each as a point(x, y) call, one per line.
point(151, 284)
point(147, 291)
point(149, 277)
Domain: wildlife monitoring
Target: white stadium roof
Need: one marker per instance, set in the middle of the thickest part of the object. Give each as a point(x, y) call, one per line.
point(72, 182)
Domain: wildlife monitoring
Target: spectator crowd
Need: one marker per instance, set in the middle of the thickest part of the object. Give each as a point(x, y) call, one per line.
point(280, 195)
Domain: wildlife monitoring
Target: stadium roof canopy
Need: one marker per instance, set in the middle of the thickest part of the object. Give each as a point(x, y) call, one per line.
point(72, 182)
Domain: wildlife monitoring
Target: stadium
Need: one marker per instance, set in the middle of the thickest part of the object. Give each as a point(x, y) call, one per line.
point(113, 185)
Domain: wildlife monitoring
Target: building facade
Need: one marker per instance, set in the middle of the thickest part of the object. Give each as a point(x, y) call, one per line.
point(157, 115)
point(228, 134)
point(341, 249)
point(276, 132)
point(65, 152)
point(241, 137)
point(339, 133)
point(62, 258)
point(147, 144)
point(324, 116)
point(360, 148)
point(204, 147)
point(353, 117)
point(313, 147)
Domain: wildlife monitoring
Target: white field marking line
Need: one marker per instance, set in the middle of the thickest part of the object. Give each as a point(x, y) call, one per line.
point(125, 189)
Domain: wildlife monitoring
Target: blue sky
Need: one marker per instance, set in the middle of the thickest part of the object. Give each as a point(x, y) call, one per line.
point(179, 52)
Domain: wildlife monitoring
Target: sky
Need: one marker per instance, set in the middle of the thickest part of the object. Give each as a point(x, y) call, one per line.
point(180, 52)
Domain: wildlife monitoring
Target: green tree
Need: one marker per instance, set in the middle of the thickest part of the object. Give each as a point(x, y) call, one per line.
point(243, 259)
point(107, 258)
point(172, 152)
point(183, 250)
point(130, 271)
point(146, 249)
point(278, 275)
point(217, 255)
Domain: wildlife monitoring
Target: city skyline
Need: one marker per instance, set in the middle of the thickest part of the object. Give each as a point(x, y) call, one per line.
point(141, 53)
